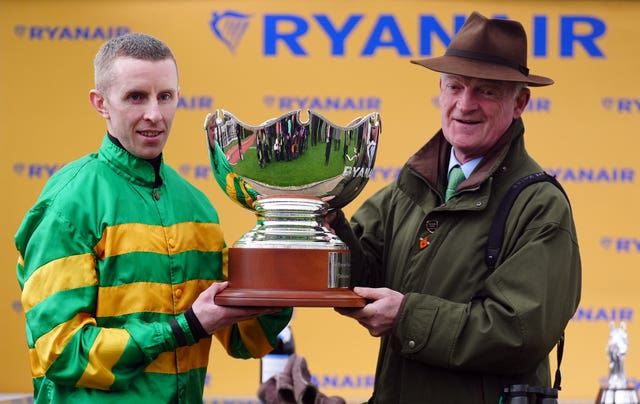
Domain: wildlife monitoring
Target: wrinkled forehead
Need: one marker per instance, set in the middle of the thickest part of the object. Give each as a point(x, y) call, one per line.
point(474, 81)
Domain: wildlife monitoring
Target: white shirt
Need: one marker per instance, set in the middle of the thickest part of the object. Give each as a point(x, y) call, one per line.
point(467, 168)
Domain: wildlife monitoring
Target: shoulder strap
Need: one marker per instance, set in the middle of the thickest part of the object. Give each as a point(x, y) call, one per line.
point(496, 232)
point(494, 242)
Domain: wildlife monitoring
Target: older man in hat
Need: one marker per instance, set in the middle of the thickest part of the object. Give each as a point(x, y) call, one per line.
point(455, 330)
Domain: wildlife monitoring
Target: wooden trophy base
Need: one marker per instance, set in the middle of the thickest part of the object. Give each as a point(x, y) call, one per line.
point(617, 396)
point(283, 277)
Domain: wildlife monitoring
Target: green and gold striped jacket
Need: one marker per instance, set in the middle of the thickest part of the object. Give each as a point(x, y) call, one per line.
point(107, 259)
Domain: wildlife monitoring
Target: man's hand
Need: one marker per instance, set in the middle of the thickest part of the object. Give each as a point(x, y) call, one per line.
point(214, 317)
point(379, 316)
point(331, 215)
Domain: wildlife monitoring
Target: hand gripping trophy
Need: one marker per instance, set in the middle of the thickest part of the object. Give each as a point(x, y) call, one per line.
point(290, 172)
point(618, 389)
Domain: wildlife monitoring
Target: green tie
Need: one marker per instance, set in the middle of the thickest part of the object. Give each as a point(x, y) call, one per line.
point(456, 176)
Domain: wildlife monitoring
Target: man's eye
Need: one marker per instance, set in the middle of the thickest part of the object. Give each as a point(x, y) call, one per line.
point(493, 92)
point(166, 97)
point(135, 97)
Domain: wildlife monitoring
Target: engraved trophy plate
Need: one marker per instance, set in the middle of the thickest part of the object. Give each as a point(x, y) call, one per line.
point(617, 390)
point(290, 172)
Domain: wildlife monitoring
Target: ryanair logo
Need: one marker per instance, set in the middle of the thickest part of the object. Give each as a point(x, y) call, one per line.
point(370, 34)
point(603, 314)
point(68, 32)
point(229, 27)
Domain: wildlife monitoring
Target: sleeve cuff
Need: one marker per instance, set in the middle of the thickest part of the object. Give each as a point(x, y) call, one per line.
point(187, 329)
point(195, 326)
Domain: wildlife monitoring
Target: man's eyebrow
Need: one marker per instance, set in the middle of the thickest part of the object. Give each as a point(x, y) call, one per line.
point(135, 91)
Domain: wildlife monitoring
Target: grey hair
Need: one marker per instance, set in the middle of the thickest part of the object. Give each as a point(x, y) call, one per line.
point(517, 85)
point(133, 45)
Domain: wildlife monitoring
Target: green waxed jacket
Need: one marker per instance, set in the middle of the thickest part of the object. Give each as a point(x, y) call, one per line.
point(464, 332)
point(108, 259)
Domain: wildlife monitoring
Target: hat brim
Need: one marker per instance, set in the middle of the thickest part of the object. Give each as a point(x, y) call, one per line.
point(481, 70)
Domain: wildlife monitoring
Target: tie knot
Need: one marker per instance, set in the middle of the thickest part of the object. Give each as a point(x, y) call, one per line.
point(456, 176)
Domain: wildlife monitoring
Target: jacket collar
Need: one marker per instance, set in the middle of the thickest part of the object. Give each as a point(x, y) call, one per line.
point(134, 169)
point(431, 161)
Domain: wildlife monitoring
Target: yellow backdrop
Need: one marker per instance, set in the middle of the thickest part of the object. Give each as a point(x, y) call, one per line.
point(259, 59)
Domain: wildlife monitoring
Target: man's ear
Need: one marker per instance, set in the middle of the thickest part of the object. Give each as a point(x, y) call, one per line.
point(98, 101)
point(522, 99)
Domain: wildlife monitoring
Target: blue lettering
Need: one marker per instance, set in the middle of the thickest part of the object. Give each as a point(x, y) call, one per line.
point(569, 36)
point(585, 174)
point(99, 34)
point(622, 245)
point(386, 32)
point(539, 35)
point(429, 25)
point(594, 175)
point(201, 171)
point(50, 169)
point(315, 104)
point(338, 37)
point(38, 170)
point(273, 36)
point(52, 32)
point(329, 381)
point(82, 32)
point(344, 381)
point(287, 103)
point(628, 245)
point(35, 170)
point(539, 105)
point(386, 24)
point(196, 102)
point(37, 32)
point(350, 103)
point(603, 314)
point(347, 382)
point(66, 34)
point(330, 103)
point(626, 104)
point(387, 173)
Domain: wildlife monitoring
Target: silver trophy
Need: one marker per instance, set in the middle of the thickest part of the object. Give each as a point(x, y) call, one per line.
point(290, 172)
point(618, 390)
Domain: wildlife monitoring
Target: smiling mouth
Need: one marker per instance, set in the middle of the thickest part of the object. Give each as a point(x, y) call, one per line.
point(467, 122)
point(149, 133)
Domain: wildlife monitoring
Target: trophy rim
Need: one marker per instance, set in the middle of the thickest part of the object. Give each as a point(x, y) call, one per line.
point(345, 180)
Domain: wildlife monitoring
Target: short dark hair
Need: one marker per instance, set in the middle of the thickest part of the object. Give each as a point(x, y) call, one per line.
point(133, 45)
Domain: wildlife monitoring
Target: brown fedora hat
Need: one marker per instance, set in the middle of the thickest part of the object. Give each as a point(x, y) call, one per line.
point(492, 49)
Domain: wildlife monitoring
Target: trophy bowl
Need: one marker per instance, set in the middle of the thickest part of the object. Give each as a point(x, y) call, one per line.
point(291, 172)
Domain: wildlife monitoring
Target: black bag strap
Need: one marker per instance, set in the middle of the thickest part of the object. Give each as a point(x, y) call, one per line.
point(496, 232)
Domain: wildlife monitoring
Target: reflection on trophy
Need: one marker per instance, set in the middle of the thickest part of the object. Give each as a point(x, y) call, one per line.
point(617, 389)
point(290, 172)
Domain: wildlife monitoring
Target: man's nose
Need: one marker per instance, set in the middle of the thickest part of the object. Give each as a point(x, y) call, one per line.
point(466, 101)
point(153, 112)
